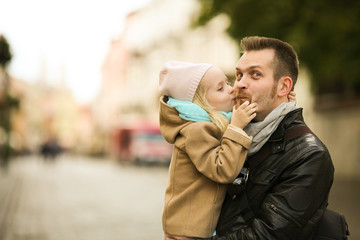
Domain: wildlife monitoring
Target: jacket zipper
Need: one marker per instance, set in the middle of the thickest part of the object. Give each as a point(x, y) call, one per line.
point(285, 215)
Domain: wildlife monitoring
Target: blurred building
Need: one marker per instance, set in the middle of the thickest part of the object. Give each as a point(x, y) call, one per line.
point(49, 112)
point(159, 32)
point(42, 114)
point(163, 31)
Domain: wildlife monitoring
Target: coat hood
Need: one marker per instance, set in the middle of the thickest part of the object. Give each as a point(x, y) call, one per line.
point(170, 122)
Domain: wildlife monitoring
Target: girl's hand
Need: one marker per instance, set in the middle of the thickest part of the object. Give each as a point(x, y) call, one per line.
point(242, 115)
point(292, 97)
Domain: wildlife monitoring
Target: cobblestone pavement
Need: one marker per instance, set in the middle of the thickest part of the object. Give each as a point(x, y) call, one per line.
point(77, 198)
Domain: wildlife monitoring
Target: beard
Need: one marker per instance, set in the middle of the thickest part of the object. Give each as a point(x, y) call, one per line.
point(273, 91)
point(264, 101)
point(241, 98)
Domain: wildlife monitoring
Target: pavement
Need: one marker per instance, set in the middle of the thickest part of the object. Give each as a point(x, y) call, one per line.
point(79, 198)
point(345, 198)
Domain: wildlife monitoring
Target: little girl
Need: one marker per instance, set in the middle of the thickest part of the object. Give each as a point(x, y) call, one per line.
point(210, 145)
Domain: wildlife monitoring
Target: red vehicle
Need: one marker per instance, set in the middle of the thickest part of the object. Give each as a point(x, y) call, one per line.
point(142, 143)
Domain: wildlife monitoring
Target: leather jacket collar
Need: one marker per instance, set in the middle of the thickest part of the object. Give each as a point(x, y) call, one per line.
point(277, 139)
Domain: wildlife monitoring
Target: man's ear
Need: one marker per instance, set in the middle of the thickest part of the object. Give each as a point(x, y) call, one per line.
point(285, 85)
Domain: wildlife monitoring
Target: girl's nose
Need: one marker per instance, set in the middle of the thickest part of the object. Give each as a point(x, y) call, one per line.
point(231, 90)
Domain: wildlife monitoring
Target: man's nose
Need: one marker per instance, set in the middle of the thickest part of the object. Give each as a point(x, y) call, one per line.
point(242, 84)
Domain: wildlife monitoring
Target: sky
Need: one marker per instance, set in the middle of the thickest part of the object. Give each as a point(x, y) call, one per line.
point(63, 39)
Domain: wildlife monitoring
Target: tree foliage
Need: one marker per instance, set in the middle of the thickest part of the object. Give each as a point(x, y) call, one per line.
point(326, 35)
point(5, 54)
point(7, 102)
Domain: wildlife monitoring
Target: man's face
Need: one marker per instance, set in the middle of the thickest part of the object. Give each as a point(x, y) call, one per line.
point(255, 81)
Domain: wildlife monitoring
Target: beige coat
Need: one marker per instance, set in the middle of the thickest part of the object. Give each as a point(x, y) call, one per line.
point(203, 162)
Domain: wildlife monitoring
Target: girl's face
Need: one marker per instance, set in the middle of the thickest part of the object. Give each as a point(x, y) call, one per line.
point(219, 94)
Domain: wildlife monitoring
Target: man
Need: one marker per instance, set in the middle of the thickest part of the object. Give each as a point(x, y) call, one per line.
point(285, 194)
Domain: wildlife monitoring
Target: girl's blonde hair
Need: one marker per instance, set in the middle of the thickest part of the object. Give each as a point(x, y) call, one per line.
point(216, 116)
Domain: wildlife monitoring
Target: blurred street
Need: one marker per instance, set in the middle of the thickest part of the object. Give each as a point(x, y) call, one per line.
point(77, 198)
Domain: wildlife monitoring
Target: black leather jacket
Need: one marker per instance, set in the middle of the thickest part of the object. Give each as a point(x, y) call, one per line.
point(287, 192)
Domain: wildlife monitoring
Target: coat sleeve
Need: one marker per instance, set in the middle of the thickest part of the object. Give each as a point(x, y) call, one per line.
point(293, 203)
point(218, 158)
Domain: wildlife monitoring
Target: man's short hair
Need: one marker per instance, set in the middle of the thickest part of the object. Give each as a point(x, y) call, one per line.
point(285, 61)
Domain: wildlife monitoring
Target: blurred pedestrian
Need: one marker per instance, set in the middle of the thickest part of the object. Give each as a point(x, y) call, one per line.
point(50, 149)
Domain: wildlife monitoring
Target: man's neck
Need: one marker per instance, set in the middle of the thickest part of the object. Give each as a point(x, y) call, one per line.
point(261, 116)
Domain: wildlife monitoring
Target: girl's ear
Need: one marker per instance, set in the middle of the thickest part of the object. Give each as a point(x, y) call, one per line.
point(285, 85)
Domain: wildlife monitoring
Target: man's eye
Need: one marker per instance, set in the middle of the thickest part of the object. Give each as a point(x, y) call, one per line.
point(256, 74)
point(239, 76)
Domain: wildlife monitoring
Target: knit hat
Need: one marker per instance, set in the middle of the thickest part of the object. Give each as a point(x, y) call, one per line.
point(180, 80)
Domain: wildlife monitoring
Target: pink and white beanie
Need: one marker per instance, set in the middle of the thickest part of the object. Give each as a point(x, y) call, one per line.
point(180, 80)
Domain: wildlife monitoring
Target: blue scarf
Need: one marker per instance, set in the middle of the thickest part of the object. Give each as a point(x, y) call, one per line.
point(192, 112)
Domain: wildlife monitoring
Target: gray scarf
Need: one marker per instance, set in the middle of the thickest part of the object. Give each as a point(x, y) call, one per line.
point(261, 131)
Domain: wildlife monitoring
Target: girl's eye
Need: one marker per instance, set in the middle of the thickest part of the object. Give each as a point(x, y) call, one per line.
point(221, 88)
